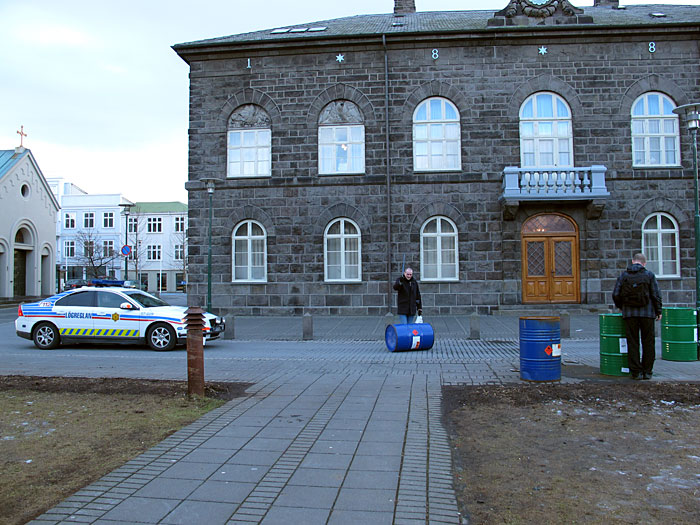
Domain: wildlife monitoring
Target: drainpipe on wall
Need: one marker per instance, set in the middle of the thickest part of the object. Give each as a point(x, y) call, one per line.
point(389, 295)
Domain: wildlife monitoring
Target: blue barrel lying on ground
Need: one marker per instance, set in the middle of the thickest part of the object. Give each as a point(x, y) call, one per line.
point(540, 349)
point(409, 337)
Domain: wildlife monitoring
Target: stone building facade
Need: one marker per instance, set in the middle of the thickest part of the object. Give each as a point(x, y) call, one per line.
point(513, 158)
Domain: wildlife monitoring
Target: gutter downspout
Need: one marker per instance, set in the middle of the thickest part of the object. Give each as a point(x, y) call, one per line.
point(389, 295)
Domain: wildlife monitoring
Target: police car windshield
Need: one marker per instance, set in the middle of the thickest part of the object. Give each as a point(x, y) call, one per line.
point(145, 300)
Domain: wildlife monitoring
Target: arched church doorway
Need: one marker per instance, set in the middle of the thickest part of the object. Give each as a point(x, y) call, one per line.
point(24, 248)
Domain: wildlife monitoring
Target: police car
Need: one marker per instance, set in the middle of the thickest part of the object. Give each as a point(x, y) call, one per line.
point(108, 315)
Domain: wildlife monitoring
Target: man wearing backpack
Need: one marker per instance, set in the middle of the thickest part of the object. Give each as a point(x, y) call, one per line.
point(637, 295)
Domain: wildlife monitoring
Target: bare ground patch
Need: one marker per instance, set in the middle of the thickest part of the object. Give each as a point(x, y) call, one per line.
point(594, 452)
point(58, 434)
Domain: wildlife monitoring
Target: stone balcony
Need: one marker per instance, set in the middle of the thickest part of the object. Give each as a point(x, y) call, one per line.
point(586, 185)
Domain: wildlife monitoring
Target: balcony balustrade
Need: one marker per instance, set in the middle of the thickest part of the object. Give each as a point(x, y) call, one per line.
point(552, 185)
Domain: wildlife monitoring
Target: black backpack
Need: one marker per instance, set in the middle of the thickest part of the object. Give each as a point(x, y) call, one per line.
point(634, 290)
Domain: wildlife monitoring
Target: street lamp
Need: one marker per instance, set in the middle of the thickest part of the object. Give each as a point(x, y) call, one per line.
point(126, 208)
point(692, 119)
point(210, 185)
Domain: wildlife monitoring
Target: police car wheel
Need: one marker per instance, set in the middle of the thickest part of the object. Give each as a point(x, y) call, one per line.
point(161, 337)
point(46, 336)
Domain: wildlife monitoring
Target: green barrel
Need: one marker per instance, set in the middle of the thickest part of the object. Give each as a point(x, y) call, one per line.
point(679, 334)
point(613, 345)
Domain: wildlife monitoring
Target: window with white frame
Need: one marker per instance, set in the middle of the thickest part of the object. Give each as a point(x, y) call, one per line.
point(69, 248)
point(154, 224)
point(153, 252)
point(341, 149)
point(436, 136)
point(655, 133)
point(439, 258)
point(341, 139)
point(107, 248)
point(660, 245)
point(249, 252)
point(342, 251)
point(89, 219)
point(133, 224)
point(546, 136)
point(179, 224)
point(108, 219)
point(69, 220)
point(179, 252)
point(88, 249)
point(249, 142)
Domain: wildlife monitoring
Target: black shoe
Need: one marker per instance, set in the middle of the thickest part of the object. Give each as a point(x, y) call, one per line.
point(636, 377)
point(646, 375)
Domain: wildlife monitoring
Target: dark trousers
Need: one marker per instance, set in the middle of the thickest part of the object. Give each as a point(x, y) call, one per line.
point(634, 326)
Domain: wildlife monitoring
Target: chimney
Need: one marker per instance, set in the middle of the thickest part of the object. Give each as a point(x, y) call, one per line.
point(614, 4)
point(404, 7)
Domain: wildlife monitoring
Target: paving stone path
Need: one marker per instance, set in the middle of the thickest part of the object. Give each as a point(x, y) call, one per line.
point(332, 432)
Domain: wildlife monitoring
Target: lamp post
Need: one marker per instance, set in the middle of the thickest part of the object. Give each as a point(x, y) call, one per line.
point(692, 120)
point(126, 208)
point(210, 185)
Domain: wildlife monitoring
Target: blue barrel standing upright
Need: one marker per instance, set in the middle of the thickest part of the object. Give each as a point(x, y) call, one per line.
point(418, 336)
point(540, 349)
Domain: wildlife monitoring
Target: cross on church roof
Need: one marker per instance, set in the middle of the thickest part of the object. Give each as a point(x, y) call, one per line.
point(21, 134)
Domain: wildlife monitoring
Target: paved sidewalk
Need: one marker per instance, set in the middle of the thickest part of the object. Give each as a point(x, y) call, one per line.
point(334, 431)
point(346, 328)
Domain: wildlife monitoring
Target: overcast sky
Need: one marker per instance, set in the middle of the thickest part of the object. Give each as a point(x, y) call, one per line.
point(102, 96)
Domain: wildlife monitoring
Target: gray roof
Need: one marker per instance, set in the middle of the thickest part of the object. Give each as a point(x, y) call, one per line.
point(9, 158)
point(454, 21)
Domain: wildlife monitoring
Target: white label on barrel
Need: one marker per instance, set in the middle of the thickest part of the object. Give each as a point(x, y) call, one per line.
point(416, 342)
point(556, 350)
point(623, 345)
point(696, 334)
point(625, 370)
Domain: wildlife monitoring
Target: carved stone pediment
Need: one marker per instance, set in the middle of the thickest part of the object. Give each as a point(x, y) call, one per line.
point(538, 12)
point(249, 116)
point(341, 112)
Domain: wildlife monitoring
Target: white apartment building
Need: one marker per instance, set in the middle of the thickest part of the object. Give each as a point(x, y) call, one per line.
point(158, 235)
point(90, 232)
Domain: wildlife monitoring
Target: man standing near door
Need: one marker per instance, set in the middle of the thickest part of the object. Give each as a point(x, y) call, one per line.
point(637, 295)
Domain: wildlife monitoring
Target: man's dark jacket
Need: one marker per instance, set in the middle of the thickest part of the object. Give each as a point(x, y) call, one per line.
point(652, 308)
point(408, 301)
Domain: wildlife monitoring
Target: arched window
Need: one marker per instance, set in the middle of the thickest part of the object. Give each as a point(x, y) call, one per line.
point(249, 142)
point(341, 139)
point(655, 132)
point(546, 137)
point(660, 245)
point(439, 258)
point(436, 136)
point(249, 252)
point(342, 251)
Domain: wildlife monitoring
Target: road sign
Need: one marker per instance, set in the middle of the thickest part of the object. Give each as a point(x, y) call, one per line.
point(126, 250)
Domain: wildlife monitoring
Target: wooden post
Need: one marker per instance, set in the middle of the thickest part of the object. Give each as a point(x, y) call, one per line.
point(195, 351)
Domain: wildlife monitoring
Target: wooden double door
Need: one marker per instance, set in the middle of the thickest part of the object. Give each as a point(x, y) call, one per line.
point(550, 260)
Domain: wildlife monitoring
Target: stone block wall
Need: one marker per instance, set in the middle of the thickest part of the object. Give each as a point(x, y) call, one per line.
point(599, 76)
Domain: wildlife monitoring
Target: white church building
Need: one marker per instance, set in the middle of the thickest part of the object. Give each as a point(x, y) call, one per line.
point(27, 227)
